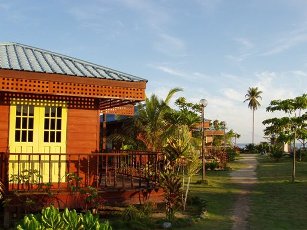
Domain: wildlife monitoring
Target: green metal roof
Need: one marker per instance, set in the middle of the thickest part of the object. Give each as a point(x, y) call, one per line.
point(17, 56)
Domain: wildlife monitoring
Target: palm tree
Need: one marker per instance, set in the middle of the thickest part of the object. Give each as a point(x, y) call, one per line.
point(147, 130)
point(150, 119)
point(252, 96)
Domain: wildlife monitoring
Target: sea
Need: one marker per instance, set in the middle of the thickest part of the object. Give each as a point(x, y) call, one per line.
point(242, 145)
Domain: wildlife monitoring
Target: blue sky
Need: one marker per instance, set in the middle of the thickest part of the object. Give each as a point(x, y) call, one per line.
point(213, 49)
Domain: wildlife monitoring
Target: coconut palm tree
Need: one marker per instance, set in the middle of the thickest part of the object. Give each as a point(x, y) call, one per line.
point(252, 96)
point(150, 118)
point(148, 128)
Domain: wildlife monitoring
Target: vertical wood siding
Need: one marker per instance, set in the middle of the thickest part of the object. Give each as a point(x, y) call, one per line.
point(4, 127)
point(82, 131)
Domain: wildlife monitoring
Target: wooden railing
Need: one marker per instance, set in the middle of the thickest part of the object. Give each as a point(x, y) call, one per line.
point(54, 171)
point(3, 168)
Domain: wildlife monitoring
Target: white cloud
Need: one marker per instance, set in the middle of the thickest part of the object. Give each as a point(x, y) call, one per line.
point(170, 45)
point(189, 77)
point(299, 73)
point(244, 50)
point(287, 41)
point(236, 58)
point(227, 104)
point(171, 71)
point(232, 94)
point(277, 86)
point(245, 43)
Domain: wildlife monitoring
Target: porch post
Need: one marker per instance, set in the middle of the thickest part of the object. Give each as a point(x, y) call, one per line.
point(104, 131)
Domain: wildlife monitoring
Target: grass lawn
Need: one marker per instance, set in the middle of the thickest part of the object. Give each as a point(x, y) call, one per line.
point(276, 202)
point(220, 197)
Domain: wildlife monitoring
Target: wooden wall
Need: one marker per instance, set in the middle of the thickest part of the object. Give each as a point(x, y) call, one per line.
point(4, 127)
point(82, 131)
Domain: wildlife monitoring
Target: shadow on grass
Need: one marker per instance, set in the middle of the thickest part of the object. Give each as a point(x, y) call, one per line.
point(220, 194)
point(276, 202)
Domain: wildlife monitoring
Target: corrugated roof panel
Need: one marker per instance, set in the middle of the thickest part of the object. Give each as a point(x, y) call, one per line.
point(42, 62)
point(124, 77)
point(63, 65)
point(72, 66)
point(55, 67)
point(114, 75)
point(93, 70)
point(92, 74)
point(104, 74)
point(22, 57)
point(33, 60)
point(83, 70)
point(13, 58)
point(4, 58)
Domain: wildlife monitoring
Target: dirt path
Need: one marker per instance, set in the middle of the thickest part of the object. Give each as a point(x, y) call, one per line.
point(246, 179)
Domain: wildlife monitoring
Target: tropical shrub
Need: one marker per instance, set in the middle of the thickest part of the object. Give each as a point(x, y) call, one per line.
point(172, 184)
point(201, 205)
point(231, 154)
point(131, 213)
point(52, 218)
point(212, 165)
point(276, 152)
point(302, 153)
point(250, 148)
point(136, 217)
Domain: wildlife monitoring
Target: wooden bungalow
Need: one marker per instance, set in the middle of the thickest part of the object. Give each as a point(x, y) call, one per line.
point(210, 152)
point(50, 106)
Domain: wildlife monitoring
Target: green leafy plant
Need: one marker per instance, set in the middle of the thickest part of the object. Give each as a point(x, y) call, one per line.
point(90, 221)
point(131, 213)
point(276, 152)
point(212, 165)
point(52, 218)
point(28, 178)
point(231, 154)
point(172, 185)
point(73, 181)
point(148, 209)
point(138, 218)
point(72, 219)
point(30, 222)
point(91, 198)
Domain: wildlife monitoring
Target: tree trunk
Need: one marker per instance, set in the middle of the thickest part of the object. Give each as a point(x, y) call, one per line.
point(253, 127)
point(183, 185)
point(186, 193)
point(294, 160)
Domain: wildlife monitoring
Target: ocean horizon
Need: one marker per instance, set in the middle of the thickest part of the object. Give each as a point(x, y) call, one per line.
point(242, 145)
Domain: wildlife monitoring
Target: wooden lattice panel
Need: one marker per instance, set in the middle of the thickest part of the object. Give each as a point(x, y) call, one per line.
point(127, 110)
point(43, 100)
point(102, 104)
point(23, 85)
point(70, 89)
point(214, 132)
point(206, 125)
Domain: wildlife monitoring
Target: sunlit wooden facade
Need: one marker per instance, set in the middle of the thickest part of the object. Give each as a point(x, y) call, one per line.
point(50, 107)
point(32, 77)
